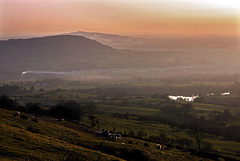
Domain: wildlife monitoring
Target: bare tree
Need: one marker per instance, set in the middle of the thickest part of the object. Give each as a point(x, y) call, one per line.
point(94, 121)
point(198, 135)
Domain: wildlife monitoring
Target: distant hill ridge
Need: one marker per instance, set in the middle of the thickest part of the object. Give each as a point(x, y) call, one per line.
point(100, 35)
point(54, 53)
point(68, 40)
point(80, 55)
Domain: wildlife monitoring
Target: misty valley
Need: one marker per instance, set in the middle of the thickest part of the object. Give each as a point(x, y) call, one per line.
point(70, 97)
point(52, 55)
point(122, 80)
point(139, 109)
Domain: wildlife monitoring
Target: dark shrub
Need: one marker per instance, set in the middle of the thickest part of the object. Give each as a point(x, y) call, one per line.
point(69, 110)
point(8, 103)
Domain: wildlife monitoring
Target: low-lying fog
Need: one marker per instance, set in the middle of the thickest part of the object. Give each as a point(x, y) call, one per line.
point(190, 71)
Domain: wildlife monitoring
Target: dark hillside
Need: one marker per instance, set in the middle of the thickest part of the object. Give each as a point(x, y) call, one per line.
point(54, 53)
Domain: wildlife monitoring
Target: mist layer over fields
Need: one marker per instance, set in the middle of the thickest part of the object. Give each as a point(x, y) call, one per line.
point(77, 57)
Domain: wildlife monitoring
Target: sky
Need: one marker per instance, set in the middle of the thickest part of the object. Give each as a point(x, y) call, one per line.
point(124, 17)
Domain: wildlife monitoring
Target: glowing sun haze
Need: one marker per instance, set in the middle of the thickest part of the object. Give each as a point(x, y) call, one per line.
point(132, 17)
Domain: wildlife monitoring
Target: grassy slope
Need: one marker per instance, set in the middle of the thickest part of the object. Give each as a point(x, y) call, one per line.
point(17, 142)
point(54, 140)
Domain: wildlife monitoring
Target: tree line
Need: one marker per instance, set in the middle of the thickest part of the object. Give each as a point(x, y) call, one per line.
point(69, 110)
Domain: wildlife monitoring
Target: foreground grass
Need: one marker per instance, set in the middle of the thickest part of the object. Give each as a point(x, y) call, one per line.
point(44, 141)
point(52, 140)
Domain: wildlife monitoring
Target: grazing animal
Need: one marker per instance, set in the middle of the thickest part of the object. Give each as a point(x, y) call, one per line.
point(61, 119)
point(108, 134)
point(99, 133)
point(118, 136)
point(113, 136)
point(32, 117)
point(159, 147)
point(17, 114)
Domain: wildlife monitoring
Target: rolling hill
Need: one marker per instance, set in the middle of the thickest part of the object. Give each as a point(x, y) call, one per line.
point(74, 56)
point(54, 53)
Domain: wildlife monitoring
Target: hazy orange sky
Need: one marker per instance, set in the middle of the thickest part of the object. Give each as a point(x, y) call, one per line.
point(126, 17)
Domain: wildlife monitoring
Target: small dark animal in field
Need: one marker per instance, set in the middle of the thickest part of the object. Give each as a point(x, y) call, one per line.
point(33, 118)
point(17, 114)
point(61, 119)
point(159, 147)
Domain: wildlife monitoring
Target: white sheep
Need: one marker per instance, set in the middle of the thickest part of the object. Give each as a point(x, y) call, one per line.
point(32, 117)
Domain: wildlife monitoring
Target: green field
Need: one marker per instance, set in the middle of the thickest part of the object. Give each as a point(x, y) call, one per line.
point(229, 148)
